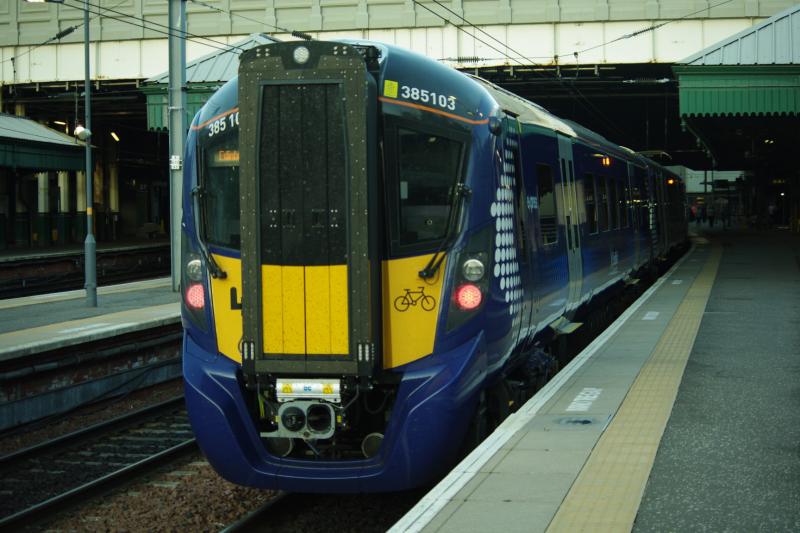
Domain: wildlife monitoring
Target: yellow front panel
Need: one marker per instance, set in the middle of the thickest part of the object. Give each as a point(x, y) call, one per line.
point(410, 310)
point(340, 318)
point(326, 310)
point(272, 294)
point(318, 310)
point(294, 309)
point(227, 320)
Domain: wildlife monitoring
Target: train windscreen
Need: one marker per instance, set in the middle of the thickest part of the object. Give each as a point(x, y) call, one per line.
point(425, 174)
point(220, 189)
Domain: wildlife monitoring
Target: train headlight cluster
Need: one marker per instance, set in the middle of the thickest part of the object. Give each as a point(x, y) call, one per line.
point(195, 296)
point(194, 270)
point(473, 270)
point(192, 284)
point(472, 278)
point(468, 296)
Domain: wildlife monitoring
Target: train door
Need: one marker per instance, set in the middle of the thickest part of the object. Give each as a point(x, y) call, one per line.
point(513, 178)
point(569, 192)
point(661, 212)
point(310, 271)
point(633, 214)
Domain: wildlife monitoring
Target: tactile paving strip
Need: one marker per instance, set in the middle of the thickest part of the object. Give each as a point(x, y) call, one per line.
point(607, 492)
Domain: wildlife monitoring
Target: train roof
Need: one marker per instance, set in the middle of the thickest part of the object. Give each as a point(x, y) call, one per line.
point(527, 112)
point(532, 113)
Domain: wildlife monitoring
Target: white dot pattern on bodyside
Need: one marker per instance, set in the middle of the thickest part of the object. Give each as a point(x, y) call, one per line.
point(506, 268)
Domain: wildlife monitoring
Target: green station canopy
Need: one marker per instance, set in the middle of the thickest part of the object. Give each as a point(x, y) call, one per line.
point(203, 77)
point(753, 73)
point(26, 144)
point(741, 96)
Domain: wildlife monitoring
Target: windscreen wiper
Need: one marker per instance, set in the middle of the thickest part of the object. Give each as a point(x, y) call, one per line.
point(213, 267)
point(463, 192)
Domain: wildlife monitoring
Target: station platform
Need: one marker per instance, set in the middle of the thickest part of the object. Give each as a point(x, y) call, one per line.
point(684, 415)
point(46, 322)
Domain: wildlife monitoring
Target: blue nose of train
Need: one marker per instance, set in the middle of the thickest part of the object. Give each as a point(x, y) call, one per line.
point(423, 436)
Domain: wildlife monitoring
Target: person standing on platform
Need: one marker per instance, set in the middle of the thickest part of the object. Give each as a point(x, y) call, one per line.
point(710, 211)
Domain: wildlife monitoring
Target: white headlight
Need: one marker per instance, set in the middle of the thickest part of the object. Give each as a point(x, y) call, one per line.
point(473, 270)
point(194, 270)
point(301, 55)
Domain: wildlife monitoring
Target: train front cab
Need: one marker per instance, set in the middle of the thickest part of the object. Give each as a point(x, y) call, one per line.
point(296, 396)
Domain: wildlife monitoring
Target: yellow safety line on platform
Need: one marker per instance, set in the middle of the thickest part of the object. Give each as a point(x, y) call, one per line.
point(607, 493)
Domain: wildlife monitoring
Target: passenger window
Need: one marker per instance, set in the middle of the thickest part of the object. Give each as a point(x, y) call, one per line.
point(548, 222)
point(429, 167)
point(591, 205)
point(636, 205)
point(602, 203)
point(613, 203)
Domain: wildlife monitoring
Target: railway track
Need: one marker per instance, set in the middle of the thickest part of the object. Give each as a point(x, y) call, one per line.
point(52, 476)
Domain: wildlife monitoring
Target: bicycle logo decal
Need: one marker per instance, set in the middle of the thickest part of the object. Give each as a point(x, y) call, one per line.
point(402, 303)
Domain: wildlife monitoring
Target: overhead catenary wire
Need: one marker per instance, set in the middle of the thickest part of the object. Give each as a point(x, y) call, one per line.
point(576, 52)
point(149, 25)
point(582, 98)
point(121, 18)
point(232, 14)
point(224, 47)
point(579, 97)
point(58, 36)
point(648, 29)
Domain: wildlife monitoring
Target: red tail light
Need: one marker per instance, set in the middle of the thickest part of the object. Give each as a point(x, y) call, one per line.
point(468, 296)
point(196, 296)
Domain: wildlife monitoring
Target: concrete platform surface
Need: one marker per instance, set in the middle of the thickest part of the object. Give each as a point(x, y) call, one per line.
point(730, 456)
point(40, 323)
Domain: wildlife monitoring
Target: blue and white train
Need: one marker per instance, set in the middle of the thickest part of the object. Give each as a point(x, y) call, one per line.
point(375, 247)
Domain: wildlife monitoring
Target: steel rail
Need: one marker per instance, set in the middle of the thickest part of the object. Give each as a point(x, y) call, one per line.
point(47, 508)
point(243, 523)
point(100, 427)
